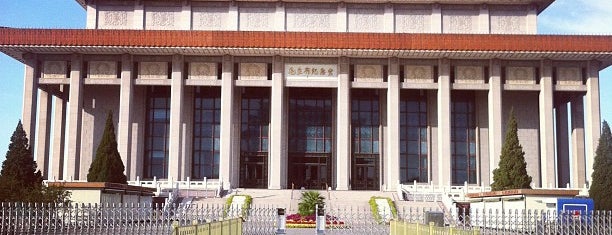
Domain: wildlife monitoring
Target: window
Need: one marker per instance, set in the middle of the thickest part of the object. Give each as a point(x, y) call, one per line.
point(463, 138)
point(413, 138)
point(157, 132)
point(254, 123)
point(206, 133)
point(365, 122)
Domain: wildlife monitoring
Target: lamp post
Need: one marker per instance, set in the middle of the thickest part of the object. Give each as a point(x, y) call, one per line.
point(320, 211)
point(281, 221)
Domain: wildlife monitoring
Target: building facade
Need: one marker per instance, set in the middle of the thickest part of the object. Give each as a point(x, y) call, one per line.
point(342, 94)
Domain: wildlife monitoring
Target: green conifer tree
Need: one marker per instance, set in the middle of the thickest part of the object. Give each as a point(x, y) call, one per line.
point(602, 171)
point(512, 170)
point(19, 176)
point(107, 166)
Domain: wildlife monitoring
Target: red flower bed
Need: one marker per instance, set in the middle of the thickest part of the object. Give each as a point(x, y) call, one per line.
point(312, 219)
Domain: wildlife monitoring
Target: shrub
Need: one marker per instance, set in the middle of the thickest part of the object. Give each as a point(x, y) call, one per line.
point(374, 208)
point(310, 199)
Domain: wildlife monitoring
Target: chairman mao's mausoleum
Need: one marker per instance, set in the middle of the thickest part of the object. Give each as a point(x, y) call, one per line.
point(359, 95)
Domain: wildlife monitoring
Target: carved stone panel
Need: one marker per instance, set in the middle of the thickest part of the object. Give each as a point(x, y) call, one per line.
point(253, 71)
point(54, 69)
point(366, 20)
point(162, 18)
point(460, 21)
point(209, 18)
point(418, 74)
point(569, 76)
point(256, 19)
point(469, 74)
point(506, 22)
point(153, 70)
point(200, 70)
point(520, 75)
point(102, 69)
point(413, 21)
point(368, 73)
point(311, 71)
point(311, 19)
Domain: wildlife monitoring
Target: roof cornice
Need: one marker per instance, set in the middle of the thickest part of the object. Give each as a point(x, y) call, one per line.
point(26, 40)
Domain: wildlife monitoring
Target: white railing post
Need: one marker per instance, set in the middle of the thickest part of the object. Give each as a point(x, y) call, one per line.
point(138, 181)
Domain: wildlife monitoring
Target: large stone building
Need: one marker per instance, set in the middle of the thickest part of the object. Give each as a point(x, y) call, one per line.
point(349, 94)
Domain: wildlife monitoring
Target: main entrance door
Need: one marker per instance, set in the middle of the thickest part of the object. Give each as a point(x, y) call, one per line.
point(254, 171)
point(310, 138)
point(310, 171)
point(365, 172)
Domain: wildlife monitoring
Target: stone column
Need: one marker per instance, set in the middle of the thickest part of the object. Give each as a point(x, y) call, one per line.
point(74, 119)
point(43, 135)
point(389, 19)
point(436, 18)
point(59, 125)
point(483, 19)
point(444, 122)
point(30, 96)
point(392, 143)
point(532, 20)
point(343, 125)
point(227, 107)
point(563, 168)
point(139, 15)
point(92, 15)
point(124, 128)
point(342, 20)
point(578, 173)
point(279, 17)
point(593, 118)
point(186, 16)
point(175, 158)
point(278, 147)
point(233, 18)
point(547, 132)
point(496, 131)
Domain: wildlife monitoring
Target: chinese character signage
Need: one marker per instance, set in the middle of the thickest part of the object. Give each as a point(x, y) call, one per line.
point(311, 71)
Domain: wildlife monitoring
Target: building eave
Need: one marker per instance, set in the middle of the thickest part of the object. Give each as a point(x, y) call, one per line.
point(16, 42)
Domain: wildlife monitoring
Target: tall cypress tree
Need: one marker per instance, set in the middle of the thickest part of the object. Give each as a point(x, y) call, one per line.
point(19, 174)
point(512, 170)
point(602, 171)
point(107, 166)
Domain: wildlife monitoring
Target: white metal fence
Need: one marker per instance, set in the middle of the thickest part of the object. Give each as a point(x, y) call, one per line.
point(21, 218)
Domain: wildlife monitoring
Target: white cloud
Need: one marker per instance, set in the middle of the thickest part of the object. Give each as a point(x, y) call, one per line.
point(577, 17)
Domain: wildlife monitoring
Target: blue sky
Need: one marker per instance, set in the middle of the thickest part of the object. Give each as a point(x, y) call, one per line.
point(562, 17)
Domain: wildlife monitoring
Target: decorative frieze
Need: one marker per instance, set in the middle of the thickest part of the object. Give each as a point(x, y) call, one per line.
point(469, 74)
point(504, 22)
point(257, 19)
point(412, 21)
point(209, 18)
point(55, 69)
point(102, 69)
point(365, 20)
point(368, 73)
point(311, 71)
point(253, 71)
point(311, 19)
point(520, 75)
point(115, 17)
point(569, 76)
point(460, 21)
point(153, 70)
point(162, 18)
point(418, 74)
point(201, 70)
